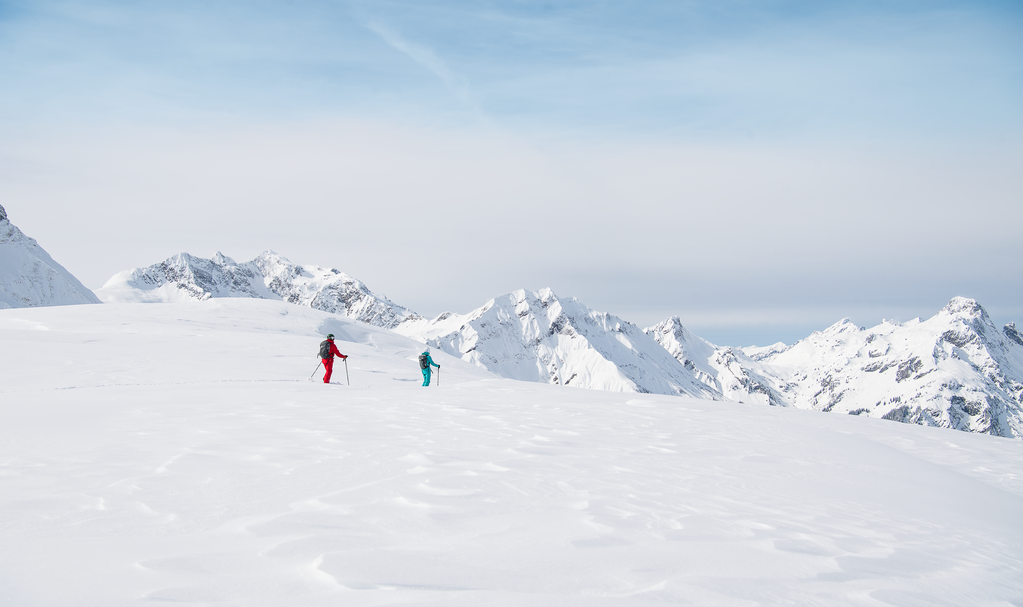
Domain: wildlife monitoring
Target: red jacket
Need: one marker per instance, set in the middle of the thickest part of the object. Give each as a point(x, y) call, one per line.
point(334, 351)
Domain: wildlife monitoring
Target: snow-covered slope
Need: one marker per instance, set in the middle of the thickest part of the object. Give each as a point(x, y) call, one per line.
point(29, 277)
point(727, 370)
point(268, 276)
point(208, 471)
point(535, 336)
point(954, 370)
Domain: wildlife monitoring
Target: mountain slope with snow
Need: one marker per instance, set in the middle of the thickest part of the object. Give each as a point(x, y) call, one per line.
point(268, 276)
point(727, 370)
point(535, 336)
point(209, 471)
point(955, 370)
point(29, 277)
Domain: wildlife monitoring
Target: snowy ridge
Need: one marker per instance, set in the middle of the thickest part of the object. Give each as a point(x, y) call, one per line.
point(954, 370)
point(727, 370)
point(29, 277)
point(184, 277)
point(535, 336)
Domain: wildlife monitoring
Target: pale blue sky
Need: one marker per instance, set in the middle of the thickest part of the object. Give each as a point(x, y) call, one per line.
point(664, 69)
point(761, 169)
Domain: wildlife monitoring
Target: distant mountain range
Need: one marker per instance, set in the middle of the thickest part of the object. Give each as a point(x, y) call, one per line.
point(268, 276)
point(955, 370)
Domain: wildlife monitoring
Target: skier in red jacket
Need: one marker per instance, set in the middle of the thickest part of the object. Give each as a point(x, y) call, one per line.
point(327, 352)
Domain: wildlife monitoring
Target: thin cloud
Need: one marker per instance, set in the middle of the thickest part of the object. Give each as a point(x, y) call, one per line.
point(423, 55)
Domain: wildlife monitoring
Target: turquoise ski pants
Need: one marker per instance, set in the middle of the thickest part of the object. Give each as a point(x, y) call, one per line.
point(426, 376)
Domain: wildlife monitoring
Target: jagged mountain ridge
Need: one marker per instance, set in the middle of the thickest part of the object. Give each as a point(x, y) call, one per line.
point(535, 336)
point(954, 370)
point(727, 370)
point(184, 277)
point(29, 277)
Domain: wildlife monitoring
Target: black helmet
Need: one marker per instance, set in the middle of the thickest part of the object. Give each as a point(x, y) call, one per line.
point(330, 336)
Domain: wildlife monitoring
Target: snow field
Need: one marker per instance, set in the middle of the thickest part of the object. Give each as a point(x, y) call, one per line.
point(176, 452)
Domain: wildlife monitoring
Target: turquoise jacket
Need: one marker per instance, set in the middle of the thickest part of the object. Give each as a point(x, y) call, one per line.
point(429, 361)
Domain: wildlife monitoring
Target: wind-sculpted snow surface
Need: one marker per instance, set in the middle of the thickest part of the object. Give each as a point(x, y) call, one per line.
point(954, 370)
point(210, 472)
point(535, 336)
point(268, 276)
point(29, 277)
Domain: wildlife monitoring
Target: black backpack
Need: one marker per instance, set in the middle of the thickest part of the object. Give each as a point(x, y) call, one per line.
point(424, 361)
point(325, 349)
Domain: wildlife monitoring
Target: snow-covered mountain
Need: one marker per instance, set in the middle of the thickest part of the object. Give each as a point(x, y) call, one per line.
point(268, 276)
point(954, 370)
point(29, 277)
point(535, 336)
point(727, 370)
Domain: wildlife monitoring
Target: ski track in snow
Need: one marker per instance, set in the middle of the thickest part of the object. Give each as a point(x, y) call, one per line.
point(175, 453)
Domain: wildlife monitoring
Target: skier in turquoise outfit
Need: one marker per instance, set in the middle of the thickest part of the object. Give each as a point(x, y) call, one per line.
point(424, 363)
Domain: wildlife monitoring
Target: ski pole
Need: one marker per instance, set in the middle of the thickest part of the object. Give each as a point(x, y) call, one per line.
point(318, 365)
point(438, 377)
point(346, 372)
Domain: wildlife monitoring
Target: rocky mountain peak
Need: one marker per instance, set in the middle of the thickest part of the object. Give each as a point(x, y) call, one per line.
point(271, 256)
point(223, 260)
point(964, 306)
point(968, 323)
point(843, 326)
point(668, 324)
point(670, 329)
point(1010, 332)
point(3, 213)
